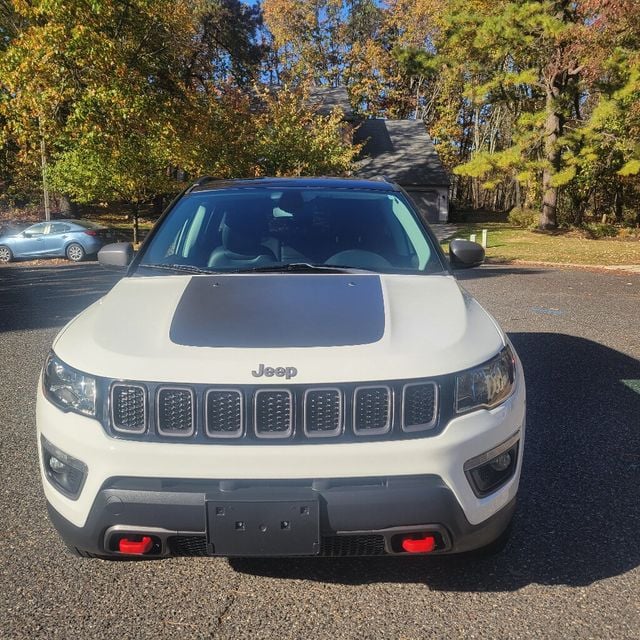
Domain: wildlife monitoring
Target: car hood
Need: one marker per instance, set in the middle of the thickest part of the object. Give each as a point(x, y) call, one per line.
point(218, 329)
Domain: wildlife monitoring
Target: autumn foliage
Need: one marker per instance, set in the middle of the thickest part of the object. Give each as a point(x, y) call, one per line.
point(531, 103)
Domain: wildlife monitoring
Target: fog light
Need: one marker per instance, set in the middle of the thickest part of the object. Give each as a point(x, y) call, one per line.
point(501, 462)
point(488, 472)
point(56, 465)
point(66, 473)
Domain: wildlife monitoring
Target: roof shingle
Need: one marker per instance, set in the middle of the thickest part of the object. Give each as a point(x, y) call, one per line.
point(401, 151)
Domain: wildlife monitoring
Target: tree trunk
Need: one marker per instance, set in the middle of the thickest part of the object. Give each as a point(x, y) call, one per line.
point(135, 223)
point(68, 209)
point(158, 204)
point(618, 202)
point(553, 130)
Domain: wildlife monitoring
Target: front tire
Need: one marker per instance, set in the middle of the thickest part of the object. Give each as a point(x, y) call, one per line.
point(5, 254)
point(75, 252)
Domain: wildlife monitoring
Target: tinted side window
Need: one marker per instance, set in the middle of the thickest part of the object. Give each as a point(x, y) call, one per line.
point(59, 227)
point(37, 229)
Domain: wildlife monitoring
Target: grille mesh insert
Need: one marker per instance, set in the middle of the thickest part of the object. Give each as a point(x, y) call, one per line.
point(372, 411)
point(224, 413)
point(332, 546)
point(175, 412)
point(188, 545)
point(273, 413)
point(323, 411)
point(128, 410)
point(362, 545)
point(419, 407)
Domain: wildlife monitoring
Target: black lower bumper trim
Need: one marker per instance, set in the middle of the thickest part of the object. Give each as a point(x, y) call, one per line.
point(353, 508)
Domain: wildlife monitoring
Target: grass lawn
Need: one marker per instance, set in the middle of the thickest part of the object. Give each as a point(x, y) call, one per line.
point(507, 243)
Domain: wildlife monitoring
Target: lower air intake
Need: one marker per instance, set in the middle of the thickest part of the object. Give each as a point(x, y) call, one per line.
point(331, 546)
point(188, 546)
point(350, 546)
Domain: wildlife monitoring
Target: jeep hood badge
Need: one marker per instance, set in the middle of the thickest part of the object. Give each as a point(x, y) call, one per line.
point(280, 372)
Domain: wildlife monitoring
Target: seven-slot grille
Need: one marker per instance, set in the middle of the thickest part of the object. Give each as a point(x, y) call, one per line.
point(199, 413)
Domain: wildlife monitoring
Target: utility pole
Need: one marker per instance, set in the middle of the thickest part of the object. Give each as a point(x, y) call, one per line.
point(45, 186)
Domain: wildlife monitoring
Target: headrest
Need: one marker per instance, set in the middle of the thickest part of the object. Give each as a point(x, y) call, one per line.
point(291, 202)
point(243, 228)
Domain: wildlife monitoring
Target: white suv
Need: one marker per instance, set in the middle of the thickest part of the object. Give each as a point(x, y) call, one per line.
point(288, 368)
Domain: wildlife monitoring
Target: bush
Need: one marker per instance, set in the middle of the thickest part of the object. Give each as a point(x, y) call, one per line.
point(524, 218)
point(628, 233)
point(599, 230)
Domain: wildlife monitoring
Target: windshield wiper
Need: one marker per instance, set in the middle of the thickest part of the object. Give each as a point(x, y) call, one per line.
point(185, 268)
point(299, 267)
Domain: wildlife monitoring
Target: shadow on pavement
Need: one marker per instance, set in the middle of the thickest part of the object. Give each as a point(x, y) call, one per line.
point(578, 516)
point(492, 271)
point(45, 297)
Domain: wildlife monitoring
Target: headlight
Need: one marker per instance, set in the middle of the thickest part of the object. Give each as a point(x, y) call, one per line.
point(67, 388)
point(488, 385)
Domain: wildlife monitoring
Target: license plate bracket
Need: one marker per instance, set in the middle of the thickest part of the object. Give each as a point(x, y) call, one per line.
point(266, 527)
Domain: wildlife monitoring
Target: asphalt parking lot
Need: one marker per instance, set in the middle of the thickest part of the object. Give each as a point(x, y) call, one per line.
point(571, 570)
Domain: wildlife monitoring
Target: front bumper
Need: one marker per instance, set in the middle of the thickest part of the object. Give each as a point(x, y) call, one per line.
point(363, 489)
point(363, 517)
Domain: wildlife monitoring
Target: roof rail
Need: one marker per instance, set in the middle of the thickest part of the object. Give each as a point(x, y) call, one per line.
point(202, 180)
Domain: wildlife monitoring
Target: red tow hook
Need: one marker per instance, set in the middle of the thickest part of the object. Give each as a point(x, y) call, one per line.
point(135, 547)
point(425, 544)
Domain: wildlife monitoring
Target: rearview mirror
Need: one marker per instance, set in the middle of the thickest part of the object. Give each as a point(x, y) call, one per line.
point(464, 254)
point(117, 255)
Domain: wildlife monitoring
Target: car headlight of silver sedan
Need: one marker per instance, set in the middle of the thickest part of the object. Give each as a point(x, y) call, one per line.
point(488, 385)
point(67, 388)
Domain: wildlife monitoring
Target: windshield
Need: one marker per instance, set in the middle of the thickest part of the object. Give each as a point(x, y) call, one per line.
point(256, 229)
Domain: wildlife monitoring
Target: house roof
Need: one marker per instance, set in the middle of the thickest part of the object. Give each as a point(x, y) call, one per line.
point(401, 151)
point(328, 98)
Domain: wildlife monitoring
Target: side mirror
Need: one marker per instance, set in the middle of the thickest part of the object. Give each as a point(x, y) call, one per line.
point(116, 256)
point(464, 254)
point(27, 234)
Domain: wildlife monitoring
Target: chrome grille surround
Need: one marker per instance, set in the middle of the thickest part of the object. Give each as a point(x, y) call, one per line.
point(273, 417)
point(178, 409)
point(417, 406)
point(316, 401)
point(227, 412)
point(128, 407)
point(372, 405)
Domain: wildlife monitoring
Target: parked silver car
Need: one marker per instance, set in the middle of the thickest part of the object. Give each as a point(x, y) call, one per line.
point(73, 239)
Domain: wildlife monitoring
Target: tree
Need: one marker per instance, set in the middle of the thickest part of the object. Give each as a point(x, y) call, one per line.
point(520, 61)
point(108, 85)
point(265, 133)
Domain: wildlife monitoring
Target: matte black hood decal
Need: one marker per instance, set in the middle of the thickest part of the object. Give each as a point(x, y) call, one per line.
point(279, 311)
